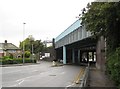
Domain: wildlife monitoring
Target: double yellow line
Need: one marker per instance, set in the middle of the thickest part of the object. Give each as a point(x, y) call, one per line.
point(79, 75)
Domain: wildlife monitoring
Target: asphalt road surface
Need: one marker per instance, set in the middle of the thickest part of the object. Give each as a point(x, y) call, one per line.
point(39, 75)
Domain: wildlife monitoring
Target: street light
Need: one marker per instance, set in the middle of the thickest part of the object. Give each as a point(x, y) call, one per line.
point(23, 43)
point(32, 54)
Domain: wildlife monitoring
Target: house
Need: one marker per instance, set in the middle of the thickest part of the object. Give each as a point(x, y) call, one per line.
point(7, 49)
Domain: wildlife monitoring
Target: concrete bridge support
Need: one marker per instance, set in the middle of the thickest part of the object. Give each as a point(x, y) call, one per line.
point(64, 55)
point(100, 53)
point(73, 55)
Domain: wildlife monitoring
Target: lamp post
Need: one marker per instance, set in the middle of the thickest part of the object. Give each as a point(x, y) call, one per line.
point(23, 43)
point(32, 54)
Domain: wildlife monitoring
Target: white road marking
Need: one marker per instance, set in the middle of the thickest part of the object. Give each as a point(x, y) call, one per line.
point(63, 73)
point(21, 82)
point(69, 85)
point(34, 70)
point(13, 85)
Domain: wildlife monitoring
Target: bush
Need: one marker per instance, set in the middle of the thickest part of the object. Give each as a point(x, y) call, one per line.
point(28, 60)
point(7, 60)
point(113, 66)
point(11, 56)
point(27, 54)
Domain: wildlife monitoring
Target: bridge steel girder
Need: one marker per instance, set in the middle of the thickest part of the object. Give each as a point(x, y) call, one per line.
point(78, 34)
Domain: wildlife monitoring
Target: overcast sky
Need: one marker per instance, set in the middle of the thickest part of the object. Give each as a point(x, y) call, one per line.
point(45, 19)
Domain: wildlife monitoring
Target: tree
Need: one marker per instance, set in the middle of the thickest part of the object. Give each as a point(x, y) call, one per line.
point(38, 46)
point(28, 42)
point(104, 19)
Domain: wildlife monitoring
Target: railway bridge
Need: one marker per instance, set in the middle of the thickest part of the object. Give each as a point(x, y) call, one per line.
point(76, 45)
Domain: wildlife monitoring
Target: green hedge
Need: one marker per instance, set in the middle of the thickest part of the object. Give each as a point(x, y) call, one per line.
point(113, 66)
point(7, 60)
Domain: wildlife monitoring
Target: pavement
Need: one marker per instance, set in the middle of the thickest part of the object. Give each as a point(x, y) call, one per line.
point(98, 78)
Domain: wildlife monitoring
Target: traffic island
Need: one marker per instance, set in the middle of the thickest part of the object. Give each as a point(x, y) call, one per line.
point(56, 64)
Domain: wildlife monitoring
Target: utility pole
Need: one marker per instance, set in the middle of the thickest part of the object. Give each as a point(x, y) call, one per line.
point(23, 43)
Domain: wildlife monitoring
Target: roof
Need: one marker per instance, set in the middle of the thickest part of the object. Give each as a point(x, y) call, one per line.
point(8, 46)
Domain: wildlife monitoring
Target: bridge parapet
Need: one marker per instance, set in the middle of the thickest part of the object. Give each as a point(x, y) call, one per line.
point(74, 33)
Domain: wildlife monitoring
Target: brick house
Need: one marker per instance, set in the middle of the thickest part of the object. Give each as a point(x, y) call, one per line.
point(7, 49)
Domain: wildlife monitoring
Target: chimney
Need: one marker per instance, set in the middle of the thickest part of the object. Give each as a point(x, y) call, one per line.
point(5, 41)
point(5, 44)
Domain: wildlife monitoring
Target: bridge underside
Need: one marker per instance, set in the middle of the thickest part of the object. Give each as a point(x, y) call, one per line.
point(82, 51)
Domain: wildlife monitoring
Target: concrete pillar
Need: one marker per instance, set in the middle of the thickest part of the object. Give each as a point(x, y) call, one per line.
point(79, 56)
point(73, 56)
point(64, 55)
point(100, 54)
